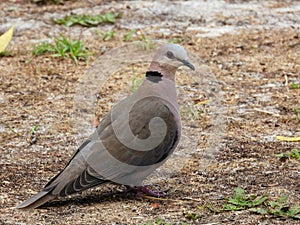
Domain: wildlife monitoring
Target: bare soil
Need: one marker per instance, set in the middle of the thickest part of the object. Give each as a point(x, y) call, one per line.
point(254, 62)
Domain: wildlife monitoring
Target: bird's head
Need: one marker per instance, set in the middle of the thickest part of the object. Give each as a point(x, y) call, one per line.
point(172, 56)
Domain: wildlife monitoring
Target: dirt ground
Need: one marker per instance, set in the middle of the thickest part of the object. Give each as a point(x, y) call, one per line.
point(250, 50)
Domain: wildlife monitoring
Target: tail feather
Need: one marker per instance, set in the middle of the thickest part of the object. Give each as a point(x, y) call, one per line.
point(37, 200)
point(62, 187)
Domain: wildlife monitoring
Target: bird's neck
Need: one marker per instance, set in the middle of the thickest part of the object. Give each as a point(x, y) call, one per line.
point(167, 71)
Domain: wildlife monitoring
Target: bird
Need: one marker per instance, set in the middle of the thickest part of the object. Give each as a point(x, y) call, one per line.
point(135, 137)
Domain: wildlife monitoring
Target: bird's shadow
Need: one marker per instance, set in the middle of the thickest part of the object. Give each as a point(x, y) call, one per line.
point(92, 198)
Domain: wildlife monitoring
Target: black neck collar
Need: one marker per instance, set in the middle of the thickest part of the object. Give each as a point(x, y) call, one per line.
point(153, 74)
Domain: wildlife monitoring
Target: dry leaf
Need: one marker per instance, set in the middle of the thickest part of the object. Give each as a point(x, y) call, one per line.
point(95, 121)
point(290, 139)
point(6, 38)
point(203, 102)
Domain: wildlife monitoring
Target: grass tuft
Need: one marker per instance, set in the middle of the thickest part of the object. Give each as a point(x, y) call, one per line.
point(146, 43)
point(6, 53)
point(261, 205)
point(88, 20)
point(241, 201)
point(191, 112)
point(63, 47)
point(297, 113)
point(135, 81)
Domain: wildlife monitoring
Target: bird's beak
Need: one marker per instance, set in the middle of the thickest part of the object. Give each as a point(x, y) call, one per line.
point(188, 64)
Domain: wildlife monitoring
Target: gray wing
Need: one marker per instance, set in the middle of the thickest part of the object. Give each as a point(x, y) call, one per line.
point(116, 161)
point(139, 119)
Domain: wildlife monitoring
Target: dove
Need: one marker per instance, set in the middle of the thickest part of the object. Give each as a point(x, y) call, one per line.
point(136, 137)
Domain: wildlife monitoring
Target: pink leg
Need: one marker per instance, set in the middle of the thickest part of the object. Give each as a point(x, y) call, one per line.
point(140, 190)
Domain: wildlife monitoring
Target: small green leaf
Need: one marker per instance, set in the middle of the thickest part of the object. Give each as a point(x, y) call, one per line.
point(129, 35)
point(260, 200)
point(281, 155)
point(230, 207)
point(294, 211)
point(213, 209)
point(293, 154)
point(295, 85)
point(259, 210)
point(296, 154)
point(192, 216)
point(34, 129)
point(176, 40)
point(109, 35)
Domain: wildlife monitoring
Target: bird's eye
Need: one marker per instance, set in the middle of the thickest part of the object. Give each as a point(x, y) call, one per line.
point(170, 55)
